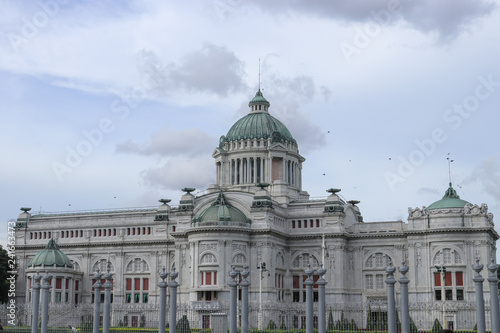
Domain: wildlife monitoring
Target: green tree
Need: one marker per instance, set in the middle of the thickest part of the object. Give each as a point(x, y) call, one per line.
point(437, 326)
point(183, 325)
point(4, 267)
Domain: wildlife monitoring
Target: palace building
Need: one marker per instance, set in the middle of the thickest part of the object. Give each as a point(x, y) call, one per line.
point(256, 215)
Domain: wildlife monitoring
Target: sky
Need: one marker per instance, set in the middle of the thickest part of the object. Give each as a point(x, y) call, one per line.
point(114, 104)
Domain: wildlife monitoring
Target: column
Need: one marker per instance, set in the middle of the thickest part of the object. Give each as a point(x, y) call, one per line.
point(231, 172)
point(173, 300)
point(240, 171)
point(97, 301)
point(45, 301)
point(321, 300)
point(405, 310)
point(478, 280)
point(35, 300)
point(163, 301)
point(391, 302)
point(493, 280)
point(244, 300)
point(107, 302)
point(53, 292)
point(232, 300)
point(270, 173)
point(309, 300)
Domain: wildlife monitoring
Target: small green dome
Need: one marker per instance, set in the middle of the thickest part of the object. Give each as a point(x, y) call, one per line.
point(221, 213)
point(49, 256)
point(259, 99)
point(449, 200)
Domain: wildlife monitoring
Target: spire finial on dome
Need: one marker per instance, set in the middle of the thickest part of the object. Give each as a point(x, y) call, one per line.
point(449, 167)
point(259, 74)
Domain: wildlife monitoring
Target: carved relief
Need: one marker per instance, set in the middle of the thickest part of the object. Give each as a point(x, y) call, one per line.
point(208, 246)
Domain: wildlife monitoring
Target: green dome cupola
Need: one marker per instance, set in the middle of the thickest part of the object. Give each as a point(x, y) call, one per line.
point(259, 99)
point(449, 200)
point(220, 213)
point(50, 256)
point(258, 124)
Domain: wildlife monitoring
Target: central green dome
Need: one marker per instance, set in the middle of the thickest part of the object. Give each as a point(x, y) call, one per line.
point(50, 256)
point(259, 124)
point(449, 200)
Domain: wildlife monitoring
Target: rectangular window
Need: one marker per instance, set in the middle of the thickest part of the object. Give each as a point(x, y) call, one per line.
point(293, 224)
point(317, 223)
point(437, 279)
point(137, 298)
point(460, 295)
point(76, 298)
point(67, 283)
point(299, 222)
point(296, 296)
point(58, 283)
point(76, 284)
point(311, 223)
point(215, 278)
point(137, 284)
point(305, 223)
point(459, 278)
point(128, 298)
point(315, 296)
point(447, 279)
point(437, 293)
point(208, 278)
point(296, 283)
point(58, 297)
point(145, 298)
point(145, 284)
point(128, 284)
point(449, 295)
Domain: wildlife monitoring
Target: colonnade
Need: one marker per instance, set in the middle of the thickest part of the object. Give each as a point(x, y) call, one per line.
point(251, 170)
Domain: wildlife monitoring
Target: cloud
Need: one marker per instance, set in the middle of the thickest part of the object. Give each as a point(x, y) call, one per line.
point(182, 172)
point(487, 174)
point(427, 190)
point(212, 69)
point(447, 18)
point(172, 142)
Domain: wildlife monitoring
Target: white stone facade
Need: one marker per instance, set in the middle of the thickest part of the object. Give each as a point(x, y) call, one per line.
point(287, 231)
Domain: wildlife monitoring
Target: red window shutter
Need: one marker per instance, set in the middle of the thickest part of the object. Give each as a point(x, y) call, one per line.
point(215, 277)
point(76, 284)
point(145, 284)
point(129, 284)
point(460, 278)
point(304, 278)
point(447, 279)
point(58, 283)
point(137, 284)
point(67, 284)
point(437, 279)
point(315, 279)
point(209, 278)
point(296, 284)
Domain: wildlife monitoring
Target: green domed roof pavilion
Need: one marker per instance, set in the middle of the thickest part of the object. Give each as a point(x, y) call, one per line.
point(50, 256)
point(449, 200)
point(221, 213)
